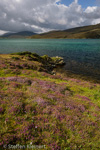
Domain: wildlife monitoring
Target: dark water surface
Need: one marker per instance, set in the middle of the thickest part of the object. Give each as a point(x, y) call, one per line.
point(82, 56)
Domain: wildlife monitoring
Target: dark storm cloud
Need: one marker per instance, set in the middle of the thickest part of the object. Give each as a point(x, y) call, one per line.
point(44, 15)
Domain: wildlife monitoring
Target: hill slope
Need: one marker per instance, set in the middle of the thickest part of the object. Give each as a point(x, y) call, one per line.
point(18, 34)
point(92, 32)
point(48, 110)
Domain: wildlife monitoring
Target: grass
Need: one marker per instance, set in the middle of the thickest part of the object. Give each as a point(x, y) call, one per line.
point(48, 109)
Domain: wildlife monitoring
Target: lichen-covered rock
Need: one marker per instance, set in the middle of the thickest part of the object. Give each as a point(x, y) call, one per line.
point(58, 60)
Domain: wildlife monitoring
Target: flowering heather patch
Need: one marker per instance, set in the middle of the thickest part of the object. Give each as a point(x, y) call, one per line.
point(45, 109)
point(1, 110)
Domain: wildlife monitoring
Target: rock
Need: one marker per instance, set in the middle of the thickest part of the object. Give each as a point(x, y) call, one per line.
point(58, 60)
point(53, 73)
point(46, 58)
point(47, 63)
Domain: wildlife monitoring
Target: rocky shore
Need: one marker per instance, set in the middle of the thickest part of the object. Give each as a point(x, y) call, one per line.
point(47, 63)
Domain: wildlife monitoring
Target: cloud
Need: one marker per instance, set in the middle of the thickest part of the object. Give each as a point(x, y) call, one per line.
point(76, 1)
point(98, 2)
point(44, 15)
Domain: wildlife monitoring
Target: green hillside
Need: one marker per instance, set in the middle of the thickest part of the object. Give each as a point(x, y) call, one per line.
point(86, 32)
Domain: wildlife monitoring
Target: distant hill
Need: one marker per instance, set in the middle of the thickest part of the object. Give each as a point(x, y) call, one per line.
point(22, 34)
point(85, 32)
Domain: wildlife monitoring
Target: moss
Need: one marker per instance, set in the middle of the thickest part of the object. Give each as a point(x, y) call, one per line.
point(16, 58)
point(22, 53)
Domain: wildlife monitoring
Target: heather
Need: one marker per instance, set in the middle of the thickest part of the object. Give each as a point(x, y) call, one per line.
point(44, 107)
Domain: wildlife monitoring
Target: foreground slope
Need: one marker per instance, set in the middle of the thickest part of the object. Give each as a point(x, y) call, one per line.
point(86, 32)
point(40, 107)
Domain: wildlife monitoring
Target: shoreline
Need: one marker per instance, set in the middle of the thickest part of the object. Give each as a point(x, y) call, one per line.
point(58, 65)
point(77, 75)
point(47, 64)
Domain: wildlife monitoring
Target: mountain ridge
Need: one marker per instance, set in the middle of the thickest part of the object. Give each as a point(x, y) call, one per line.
point(18, 34)
point(84, 32)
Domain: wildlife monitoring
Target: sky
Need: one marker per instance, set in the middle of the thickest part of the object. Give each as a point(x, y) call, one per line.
point(84, 3)
point(45, 15)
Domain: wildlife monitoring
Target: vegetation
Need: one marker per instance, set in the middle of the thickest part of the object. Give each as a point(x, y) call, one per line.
point(41, 107)
point(87, 32)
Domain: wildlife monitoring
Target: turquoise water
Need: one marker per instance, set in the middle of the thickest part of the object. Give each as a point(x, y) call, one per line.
point(80, 55)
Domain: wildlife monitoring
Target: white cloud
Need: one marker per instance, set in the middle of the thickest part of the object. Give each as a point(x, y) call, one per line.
point(91, 9)
point(2, 32)
point(76, 1)
point(44, 15)
point(96, 21)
